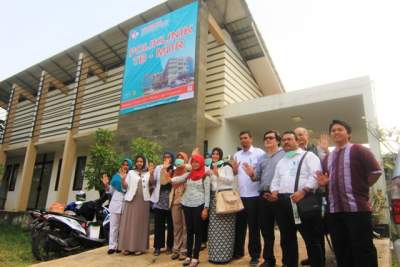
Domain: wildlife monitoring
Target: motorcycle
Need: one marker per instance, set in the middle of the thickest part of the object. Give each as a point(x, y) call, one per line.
point(56, 235)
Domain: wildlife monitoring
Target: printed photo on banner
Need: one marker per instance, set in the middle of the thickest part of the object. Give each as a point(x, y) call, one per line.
point(160, 61)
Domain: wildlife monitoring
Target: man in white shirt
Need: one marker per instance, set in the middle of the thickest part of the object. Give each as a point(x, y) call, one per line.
point(244, 161)
point(283, 191)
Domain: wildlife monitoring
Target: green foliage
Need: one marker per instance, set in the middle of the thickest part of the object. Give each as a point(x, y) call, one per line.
point(103, 158)
point(151, 150)
point(15, 246)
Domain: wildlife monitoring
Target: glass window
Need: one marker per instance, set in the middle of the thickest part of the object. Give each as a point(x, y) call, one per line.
point(13, 179)
point(79, 173)
point(58, 175)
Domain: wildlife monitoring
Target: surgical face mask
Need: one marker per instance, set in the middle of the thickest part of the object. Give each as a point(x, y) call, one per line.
point(291, 154)
point(220, 163)
point(179, 162)
point(208, 162)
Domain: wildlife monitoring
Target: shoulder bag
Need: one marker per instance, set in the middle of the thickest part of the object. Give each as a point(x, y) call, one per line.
point(228, 201)
point(310, 202)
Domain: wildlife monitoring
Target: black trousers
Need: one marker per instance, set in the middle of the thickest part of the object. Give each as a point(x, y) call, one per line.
point(193, 229)
point(310, 228)
point(267, 212)
point(204, 231)
point(248, 217)
point(160, 218)
point(351, 234)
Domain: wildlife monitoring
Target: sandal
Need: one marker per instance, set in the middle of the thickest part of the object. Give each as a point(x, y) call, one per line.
point(182, 256)
point(187, 261)
point(174, 256)
point(194, 263)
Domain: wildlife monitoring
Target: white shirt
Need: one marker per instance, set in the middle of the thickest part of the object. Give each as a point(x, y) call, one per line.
point(248, 188)
point(132, 179)
point(286, 169)
point(224, 180)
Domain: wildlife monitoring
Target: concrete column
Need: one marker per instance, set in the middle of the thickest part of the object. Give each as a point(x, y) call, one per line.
point(68, 160)
point(200, 74)
point(27, 174)
point(70, 146)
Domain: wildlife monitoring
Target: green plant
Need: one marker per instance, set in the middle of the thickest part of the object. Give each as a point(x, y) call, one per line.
point(102, 158)
point(151, 150)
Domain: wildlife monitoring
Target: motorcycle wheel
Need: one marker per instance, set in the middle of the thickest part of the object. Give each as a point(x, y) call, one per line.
point(43, 248)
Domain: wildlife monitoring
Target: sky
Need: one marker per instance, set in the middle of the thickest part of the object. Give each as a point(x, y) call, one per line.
point(311, 42)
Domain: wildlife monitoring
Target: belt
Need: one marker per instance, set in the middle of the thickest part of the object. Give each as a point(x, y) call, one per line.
point(285, 195)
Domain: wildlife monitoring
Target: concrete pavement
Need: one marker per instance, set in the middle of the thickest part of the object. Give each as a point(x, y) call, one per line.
point(99, 258)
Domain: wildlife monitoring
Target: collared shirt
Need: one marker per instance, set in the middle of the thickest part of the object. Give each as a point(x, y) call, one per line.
point(224, 180)
point(348, 169)
point(286, 170)
point(265, 168)
point(248, 188)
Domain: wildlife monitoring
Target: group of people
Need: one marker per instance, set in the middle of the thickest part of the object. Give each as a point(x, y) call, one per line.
point(291, 182)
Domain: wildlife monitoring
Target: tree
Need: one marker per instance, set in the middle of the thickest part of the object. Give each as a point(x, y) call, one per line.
point(151, 150)
point(103, 158)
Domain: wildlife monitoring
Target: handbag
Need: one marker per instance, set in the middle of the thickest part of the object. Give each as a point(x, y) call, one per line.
point(310, 202)
point(228, 201)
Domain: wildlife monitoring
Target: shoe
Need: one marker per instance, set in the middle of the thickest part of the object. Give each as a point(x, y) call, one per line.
point(174, 256)
point(137, 253)
point(169, 251)
point(253, 262)
point(118, 251)
point(111, 251)
point(305, 262)
point(157, 252)
point(187, 261)
point(267, 264)
point(125, 253)
point(194, 263)
point(182, 257)
point(203, 246)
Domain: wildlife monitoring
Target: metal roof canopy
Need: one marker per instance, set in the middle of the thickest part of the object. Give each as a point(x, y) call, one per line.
point(108, 48)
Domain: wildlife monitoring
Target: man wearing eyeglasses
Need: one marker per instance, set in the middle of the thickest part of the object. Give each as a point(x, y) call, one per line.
point(264, 172)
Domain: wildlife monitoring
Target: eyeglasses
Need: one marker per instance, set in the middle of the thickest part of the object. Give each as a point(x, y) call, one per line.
point(269, 138)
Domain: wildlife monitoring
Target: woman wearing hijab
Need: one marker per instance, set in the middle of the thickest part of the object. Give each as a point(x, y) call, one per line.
point(134, 229)
point(178, 217)
point(161, 208)
point(221, 230)
point(195, 202)
point(116, 203)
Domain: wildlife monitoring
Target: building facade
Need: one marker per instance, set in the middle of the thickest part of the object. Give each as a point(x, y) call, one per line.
point(55, 106)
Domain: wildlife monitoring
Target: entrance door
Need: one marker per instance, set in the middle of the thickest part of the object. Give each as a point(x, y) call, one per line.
point(40, 182)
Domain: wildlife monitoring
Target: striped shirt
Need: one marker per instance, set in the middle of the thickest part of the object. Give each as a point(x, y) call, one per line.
point(348, 169)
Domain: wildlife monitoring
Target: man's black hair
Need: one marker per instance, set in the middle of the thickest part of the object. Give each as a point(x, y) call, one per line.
point(290, 132)
point(276, 133)
point(245, 132)
point(343, 123)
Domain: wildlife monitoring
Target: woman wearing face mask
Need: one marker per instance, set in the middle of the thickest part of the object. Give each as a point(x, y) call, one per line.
point(116, 203)
point(195, 202)
point(161, 208)
point(178, 216)
point(134, 230)
point(221, 230)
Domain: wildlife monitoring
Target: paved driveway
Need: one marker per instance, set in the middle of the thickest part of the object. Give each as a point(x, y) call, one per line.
point(98, 257)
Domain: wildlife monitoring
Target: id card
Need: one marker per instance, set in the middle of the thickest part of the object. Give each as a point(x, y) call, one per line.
point(296, 215)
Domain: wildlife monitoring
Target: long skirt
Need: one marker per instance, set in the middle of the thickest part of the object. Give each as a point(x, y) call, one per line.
point(221, 234)
point(134, 229)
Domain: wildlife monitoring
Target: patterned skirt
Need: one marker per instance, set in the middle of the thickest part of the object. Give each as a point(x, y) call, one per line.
point(221, 234)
